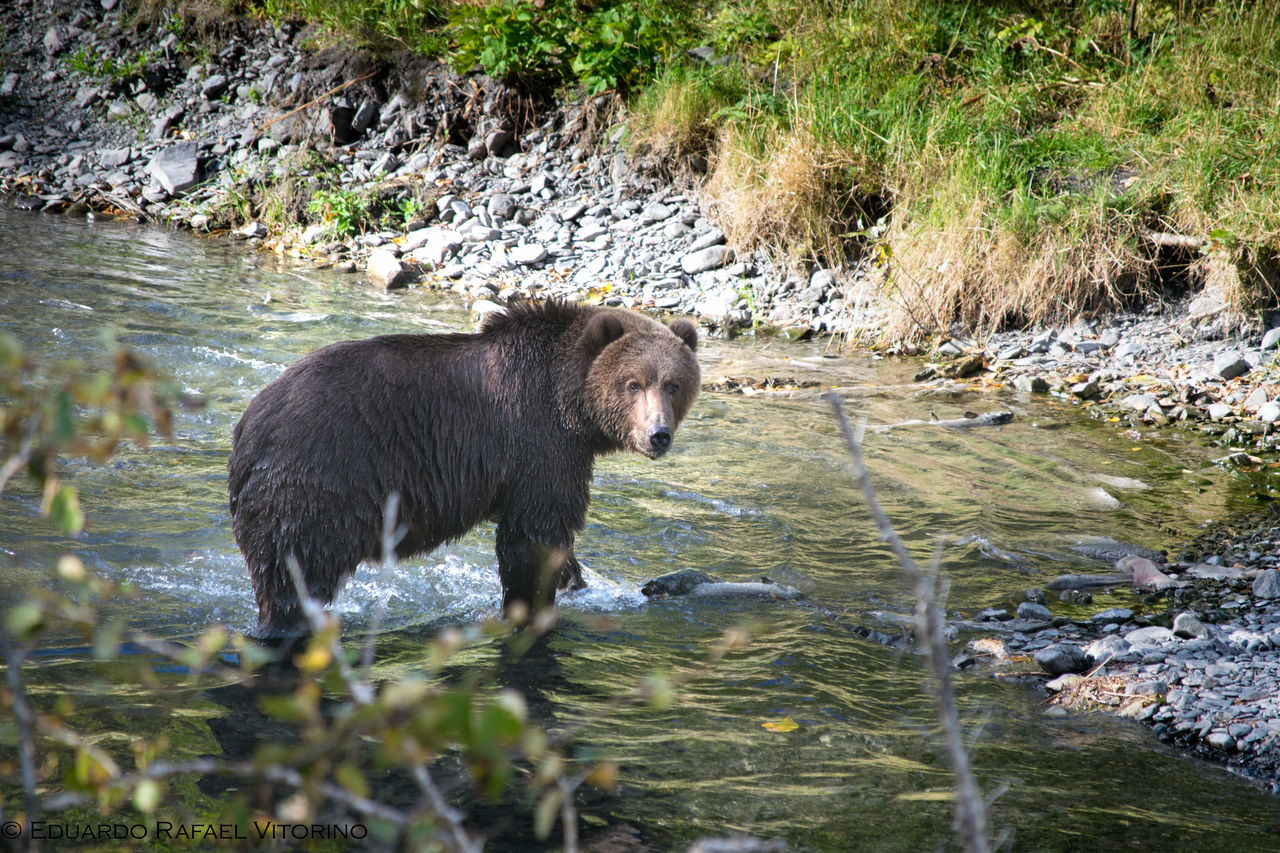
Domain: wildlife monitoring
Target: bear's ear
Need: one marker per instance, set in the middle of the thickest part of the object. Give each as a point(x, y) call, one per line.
point(687, 332)
point(602, 330)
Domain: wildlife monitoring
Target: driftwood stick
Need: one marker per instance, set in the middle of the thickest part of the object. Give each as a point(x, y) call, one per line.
point(1173, 241)
point(971, 821)
point(335, 90)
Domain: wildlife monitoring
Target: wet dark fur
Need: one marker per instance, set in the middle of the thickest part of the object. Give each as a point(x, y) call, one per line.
point(503, 424)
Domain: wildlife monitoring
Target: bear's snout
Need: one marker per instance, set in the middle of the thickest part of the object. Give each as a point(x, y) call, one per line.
point(660, 440)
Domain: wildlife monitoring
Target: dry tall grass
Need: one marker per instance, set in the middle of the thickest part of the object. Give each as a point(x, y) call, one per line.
point(787, 189)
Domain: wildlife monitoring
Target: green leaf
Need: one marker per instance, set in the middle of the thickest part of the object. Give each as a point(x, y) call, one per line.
point(24, 618)
point(65, 512)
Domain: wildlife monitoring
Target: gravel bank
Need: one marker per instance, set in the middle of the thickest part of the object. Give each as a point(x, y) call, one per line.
point(500, 197)
point(1198, 659)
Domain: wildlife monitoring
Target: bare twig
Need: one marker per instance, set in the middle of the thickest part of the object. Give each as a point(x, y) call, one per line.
point(25, 720)
point(335, 90)
point(970, 811)
point(22, 457)
point(439, 806)
point(569, 813)
point(391, 536)
point(361, 691)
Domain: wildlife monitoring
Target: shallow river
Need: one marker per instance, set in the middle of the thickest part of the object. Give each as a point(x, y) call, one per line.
point(756, 484)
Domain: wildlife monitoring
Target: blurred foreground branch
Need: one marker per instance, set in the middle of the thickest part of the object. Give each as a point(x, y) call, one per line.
point(971, 821)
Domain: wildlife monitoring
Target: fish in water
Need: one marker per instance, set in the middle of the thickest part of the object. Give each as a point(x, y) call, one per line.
point(970, 420)
point(691, 583)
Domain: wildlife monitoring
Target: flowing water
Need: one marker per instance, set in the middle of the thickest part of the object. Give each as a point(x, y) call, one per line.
point(756, 485)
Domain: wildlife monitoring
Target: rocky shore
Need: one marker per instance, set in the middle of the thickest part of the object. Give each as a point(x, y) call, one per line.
point(475, 189)
point(1198, 660)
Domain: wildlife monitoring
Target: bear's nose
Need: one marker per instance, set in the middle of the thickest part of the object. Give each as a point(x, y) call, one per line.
point(660, 439)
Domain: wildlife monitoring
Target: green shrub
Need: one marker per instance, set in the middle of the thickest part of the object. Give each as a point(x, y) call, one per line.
point(617, 45)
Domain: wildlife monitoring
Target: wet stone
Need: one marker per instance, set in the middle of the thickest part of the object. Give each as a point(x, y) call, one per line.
point(1061, 658)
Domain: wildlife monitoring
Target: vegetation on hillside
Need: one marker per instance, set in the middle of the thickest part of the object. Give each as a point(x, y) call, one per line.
point(1004, 162)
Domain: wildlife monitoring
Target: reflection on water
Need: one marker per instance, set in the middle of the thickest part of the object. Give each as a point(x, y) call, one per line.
point(756, 485)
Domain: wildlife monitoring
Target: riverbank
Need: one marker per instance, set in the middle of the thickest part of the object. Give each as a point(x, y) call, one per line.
point(1197, 658)
point(414, 176)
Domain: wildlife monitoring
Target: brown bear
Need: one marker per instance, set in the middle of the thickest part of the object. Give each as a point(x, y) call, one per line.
point(503, 425)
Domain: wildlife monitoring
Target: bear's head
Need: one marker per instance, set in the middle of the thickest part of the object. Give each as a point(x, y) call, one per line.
point(642, 379)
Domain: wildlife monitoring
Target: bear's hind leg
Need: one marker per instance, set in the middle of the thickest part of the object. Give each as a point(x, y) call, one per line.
point(280, 612)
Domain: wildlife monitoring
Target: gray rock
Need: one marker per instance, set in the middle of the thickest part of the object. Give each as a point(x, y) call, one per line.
point(1086, 390)
point(165, 122)
point(1269, 412)
point(1270, 340)
point(114, 158)
point(1187, 626)
point(1112, 614)
point(501, 207)
point(1152, 635)
point(657, 212)
point(573, 211)
point(1267, 584)
point(477, 233)
point(214, 86)
point(1060, 658)
point(1218, 411)
point(87, 95)
point(9, 86)
point(176, 168)
point(251, 231)
point(1031, 384)
point(542, 184)
point(1257, 399)
point(432, 245)
point(1107, 647)
point(709, 258)
point(385, 270)
point(1031, 610)
point(1139, 402)
point(1229, 365)
point(1129, 349)
point(365, 114)
point(53, 41)
point(1085, 581)
point(1062, 682)
point(528, 255)
point(719, 307)
point(1221, 740)
point(714, 237)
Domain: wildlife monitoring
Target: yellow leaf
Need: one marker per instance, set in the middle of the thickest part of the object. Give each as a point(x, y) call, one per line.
point(786, 724)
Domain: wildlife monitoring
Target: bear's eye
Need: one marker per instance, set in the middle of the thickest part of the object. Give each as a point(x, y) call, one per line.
point(633, 386)
point(672, 388)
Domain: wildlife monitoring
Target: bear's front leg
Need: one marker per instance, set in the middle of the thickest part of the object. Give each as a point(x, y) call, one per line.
point(530, 571)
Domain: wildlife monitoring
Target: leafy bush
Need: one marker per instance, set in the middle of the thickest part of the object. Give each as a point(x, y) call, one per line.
point(616, 46)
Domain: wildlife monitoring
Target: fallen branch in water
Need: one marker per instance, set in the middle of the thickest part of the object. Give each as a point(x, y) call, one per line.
point(971, 820)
